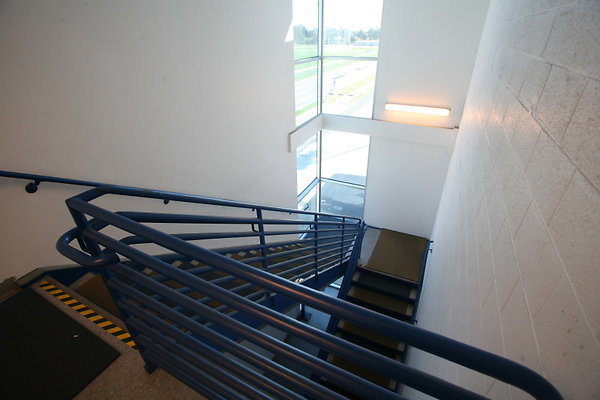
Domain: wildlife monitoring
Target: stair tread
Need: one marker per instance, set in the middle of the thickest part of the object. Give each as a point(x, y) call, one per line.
point(379, 279)
point(381, 310)
point(363, 372)
point(381, 300)
point(370, 345)
point(371, 335)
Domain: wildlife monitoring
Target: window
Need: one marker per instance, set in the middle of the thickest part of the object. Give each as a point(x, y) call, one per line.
point(336, 44)
point(332, 172)
point(306, 58)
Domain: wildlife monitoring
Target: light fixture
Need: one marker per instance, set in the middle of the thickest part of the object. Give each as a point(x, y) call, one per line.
point(444, 112)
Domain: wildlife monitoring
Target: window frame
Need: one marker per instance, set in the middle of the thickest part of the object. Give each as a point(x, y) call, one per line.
point(321, 58)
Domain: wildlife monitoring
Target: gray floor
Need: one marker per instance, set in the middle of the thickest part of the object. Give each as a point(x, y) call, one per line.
point(125, 378)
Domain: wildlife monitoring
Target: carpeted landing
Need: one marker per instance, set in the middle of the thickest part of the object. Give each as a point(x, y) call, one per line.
point(45, 354)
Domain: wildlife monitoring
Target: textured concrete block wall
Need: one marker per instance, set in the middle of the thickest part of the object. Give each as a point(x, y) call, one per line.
point(516, 262)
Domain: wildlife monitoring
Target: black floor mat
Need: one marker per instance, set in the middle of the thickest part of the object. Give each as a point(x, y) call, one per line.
point(45, 354)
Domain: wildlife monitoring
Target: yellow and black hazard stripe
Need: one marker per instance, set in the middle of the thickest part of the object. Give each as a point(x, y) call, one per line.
point(90, 314)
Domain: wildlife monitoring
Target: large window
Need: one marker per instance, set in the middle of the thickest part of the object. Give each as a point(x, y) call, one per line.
point(336, 43)
point(332, 171)
point(307, 49)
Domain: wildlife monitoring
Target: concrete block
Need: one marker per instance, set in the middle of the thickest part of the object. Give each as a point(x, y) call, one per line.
point(518, 72)
point(486, 269)
point(517, 331)
point(575, 38)
point(506, 271)
point(517, 198)
point(534, 33)
point(524, 137)
point(568, 351)
point(534, 82)
point(538, 259)
point(559, 99)
point(548, 173)
point(582, 138)
point(575, 227)
point(495, 212)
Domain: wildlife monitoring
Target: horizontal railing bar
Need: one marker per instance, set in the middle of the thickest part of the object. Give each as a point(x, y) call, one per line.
point(232, 381)
point(321, 367)
point(205, 389)
point(452, 350)
point(284, 263)
point(179, 365)
point(269, 268)
point(218, 358)
point(146, 217)
point(268, 246)
point(188, 198)
point(223, 235)
point(260, 293)
point(414, 378)
point(298, 381)
point(203, 269)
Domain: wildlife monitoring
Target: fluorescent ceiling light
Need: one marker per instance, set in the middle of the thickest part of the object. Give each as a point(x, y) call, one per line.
point(444, 112)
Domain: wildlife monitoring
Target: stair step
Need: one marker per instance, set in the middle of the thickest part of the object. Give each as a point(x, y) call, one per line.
point(370, 345)
point(380, 279)
point(370, 335)
point(363, 372)
point(398, 254)
point(397, 288)
point(381, 300)
point(382, 310)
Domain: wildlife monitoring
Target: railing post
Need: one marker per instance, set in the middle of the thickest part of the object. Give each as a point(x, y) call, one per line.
point(316, 251)
point(261, 238)
point(263, 247)
point(343, 240)
point(82, 223)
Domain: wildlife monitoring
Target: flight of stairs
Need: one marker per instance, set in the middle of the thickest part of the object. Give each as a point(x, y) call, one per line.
point(384, 294)
point(389, 284)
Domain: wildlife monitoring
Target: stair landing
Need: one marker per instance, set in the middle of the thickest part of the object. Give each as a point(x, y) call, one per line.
point(398, 254)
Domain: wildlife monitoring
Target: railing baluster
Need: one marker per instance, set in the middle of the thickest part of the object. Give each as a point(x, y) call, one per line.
point(335, 244)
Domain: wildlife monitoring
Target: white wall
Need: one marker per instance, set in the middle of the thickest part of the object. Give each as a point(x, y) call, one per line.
point(426, 56)
point(187, 96)
point(406, 173)
point(405, 183)
point(515, 265)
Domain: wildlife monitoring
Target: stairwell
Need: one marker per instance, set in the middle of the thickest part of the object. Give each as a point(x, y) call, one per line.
point(231, 322)
point(89, 300)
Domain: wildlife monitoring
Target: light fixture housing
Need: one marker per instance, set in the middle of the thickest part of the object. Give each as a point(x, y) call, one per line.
point(438, 111)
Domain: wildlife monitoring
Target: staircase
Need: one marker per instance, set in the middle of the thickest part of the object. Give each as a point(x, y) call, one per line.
point(220, 319)
point(383, 294)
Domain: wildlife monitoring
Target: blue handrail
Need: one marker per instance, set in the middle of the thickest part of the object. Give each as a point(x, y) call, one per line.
point(37, 179)
point(132, 289)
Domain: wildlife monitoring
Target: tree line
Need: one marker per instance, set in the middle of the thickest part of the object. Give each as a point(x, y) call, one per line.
point(302, 35)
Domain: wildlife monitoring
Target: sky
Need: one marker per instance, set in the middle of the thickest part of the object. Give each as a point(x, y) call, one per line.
point(353, 14)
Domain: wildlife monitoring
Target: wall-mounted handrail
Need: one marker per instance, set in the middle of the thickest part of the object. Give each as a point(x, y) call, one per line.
point(468, 356)
point(37, 179)
point(104, 188)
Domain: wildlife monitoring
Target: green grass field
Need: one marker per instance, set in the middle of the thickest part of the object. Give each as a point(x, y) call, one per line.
point(350, 93)
point(306, 51)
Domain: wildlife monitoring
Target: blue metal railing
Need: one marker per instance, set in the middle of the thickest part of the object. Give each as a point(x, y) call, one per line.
point(189, 338)
point(175, 331)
